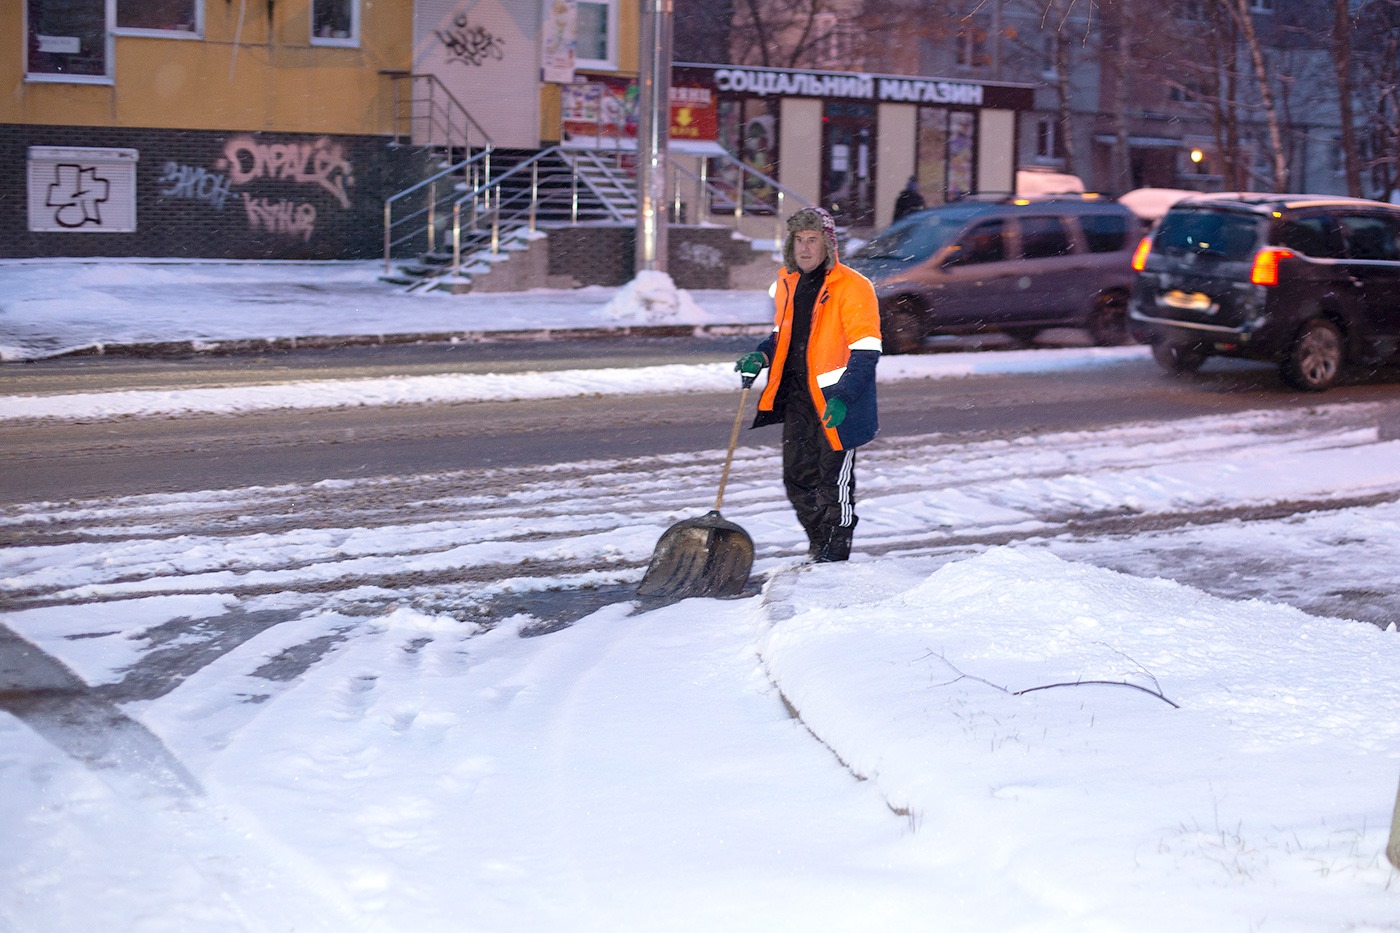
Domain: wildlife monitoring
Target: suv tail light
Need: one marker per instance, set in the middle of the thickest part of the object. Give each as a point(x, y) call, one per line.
point(1265, 271)
point(1140, 254)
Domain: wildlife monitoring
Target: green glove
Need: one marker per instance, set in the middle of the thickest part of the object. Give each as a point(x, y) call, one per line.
point(751, 364)
point(835, 413)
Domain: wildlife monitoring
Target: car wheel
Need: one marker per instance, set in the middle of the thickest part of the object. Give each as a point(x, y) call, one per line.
point(1108, 322)
point(1175, 359)
point(902, 330)
point(1023, 336)
point(1315, 360)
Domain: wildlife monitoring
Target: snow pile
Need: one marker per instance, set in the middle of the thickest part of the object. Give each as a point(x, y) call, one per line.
point(653, 298)
point(1230, 771)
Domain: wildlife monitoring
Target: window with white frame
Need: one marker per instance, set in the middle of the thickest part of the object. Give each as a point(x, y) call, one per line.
point(67, 41)
point(160, 16)
point(595, 34)
point(335, 22)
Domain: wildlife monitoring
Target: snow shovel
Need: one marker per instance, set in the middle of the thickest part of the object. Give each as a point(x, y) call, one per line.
point(704, 556)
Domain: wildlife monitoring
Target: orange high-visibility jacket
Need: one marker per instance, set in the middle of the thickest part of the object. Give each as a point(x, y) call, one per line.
point(845, 318)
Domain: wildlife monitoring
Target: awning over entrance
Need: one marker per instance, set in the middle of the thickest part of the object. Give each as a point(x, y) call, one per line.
point(695, 147)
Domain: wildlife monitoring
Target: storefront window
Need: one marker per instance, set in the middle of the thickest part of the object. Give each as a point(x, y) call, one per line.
point(335, 22)
point(945, 151)
point(932, 152)
point(748, 130)
point(158, 15)
point(962, 137)
point(67, 40)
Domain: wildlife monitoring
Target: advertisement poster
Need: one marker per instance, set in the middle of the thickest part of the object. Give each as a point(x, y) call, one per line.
point(606, 109)
point(558, 42)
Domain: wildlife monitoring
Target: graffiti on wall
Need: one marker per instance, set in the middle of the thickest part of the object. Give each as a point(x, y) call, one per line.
point(470, 45)
point(77, 195)
point(81, 189)
point(247, 165)
point(320, 162)
point(700, 254)
point(288, 218)
point(194, 183)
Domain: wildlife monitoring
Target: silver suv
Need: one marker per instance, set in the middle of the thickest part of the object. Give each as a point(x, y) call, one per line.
point(1308, 282)
point(1014, 265)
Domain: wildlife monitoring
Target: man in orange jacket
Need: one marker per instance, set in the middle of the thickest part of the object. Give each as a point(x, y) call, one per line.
point(821, 384)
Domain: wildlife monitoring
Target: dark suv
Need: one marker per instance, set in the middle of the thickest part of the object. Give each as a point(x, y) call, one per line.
point(1014, 265)
point(1308, 282)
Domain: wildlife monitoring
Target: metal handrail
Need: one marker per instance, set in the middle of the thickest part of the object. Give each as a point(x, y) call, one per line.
point(472, 168)
point(482, 205)
point(443, 112)
point(706, 190)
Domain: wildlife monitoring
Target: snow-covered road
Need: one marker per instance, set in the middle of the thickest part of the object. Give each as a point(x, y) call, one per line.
point(430, 702)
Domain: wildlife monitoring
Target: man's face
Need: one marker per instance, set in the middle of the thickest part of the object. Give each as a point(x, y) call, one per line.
point(809, 248)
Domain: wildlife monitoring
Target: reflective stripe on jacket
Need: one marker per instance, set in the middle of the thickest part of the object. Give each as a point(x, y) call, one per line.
point(841, 353)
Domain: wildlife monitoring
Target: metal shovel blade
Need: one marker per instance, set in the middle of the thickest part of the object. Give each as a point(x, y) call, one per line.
point(705, 556)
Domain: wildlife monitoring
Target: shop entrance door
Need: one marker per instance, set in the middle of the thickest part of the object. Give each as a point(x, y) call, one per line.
point(848, 163)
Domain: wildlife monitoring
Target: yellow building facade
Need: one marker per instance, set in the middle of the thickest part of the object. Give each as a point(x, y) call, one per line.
point(263, 128)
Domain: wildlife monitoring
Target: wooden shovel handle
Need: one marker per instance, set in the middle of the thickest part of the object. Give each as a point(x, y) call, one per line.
point(733, 440)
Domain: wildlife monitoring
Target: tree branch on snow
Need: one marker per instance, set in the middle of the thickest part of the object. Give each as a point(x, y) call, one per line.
point(962, 675)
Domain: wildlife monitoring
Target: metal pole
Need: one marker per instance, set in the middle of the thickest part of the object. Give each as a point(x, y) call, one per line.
point(495, 222)
point(702, 193)
point(534, 191)
point(739, 196)
point(653, 136)
point(456, 238)
point(388, 212)
point(432, 216)
point(676, 188)
point(778, 225)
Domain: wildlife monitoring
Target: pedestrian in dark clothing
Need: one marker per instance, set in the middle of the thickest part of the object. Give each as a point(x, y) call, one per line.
point(821, 384)
point(909, 200)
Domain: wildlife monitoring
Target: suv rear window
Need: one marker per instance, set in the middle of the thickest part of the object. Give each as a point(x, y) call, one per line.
point(1105, 233)
point(1228, 234)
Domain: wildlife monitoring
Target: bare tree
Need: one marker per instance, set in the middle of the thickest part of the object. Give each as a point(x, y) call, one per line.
point(1341, 63)
point(1239, 11)
point(1376, 57)
point(783, 33)
point(1122, 153)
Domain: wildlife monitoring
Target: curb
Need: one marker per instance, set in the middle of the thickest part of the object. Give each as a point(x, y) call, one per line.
point(251, 345)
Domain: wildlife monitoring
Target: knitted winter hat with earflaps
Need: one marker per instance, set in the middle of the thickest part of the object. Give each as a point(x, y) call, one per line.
point(810, 218)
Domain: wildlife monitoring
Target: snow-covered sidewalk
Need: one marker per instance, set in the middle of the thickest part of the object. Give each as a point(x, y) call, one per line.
point(53, 307)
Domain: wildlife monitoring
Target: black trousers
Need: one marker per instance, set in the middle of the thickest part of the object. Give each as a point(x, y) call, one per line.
point(820, 482)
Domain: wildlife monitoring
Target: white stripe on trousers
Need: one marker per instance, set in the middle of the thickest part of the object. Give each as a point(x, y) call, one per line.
point(843, 486)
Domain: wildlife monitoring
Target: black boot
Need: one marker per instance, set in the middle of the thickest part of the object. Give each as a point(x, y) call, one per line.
point(837, 546)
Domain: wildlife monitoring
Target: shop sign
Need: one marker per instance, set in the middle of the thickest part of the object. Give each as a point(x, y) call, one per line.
point(830, 85)
point(606, 108)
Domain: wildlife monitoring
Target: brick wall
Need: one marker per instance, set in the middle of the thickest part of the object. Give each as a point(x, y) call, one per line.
point(697, 257)
point(212, 194)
